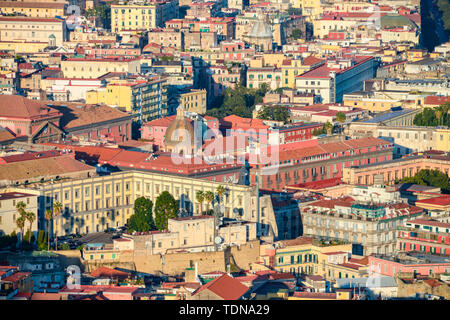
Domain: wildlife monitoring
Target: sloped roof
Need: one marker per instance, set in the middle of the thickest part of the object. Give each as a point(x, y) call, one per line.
point(12, 106)
point(225, 287)
point(41, 167)
point(108, 272)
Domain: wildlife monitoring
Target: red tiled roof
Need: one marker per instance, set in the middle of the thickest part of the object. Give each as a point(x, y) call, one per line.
point(439, 201)
point(318, 185)
point(24, 108)
point(28, 155)
point(334, 252)
point(314, 295)
point(350, 265)
point(16, 276)
point(29, 19)
point(323, 71)
point(26, 295)
point(108, 272)
point(311, 60)
point(225, 287)
point(45, 296)
point(436, 100)
point(433, 282)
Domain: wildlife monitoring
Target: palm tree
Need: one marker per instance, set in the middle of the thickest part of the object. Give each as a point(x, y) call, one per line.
point(209, 197)
point(439, 114)
point(328, 127)
point(30, 217)
point(20, 222)
point(200, 197)
point(48, 217)
point(221, 190)
point(20, 206)
point(57, 208)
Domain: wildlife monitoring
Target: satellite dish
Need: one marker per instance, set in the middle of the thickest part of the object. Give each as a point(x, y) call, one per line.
point(218, 240)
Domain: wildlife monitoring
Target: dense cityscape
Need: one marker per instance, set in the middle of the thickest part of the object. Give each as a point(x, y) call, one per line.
point(224, 150)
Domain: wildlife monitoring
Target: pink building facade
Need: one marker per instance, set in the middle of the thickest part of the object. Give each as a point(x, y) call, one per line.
point(387, 267)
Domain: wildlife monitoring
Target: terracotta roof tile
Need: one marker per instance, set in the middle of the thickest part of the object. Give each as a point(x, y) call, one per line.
point(225, 287)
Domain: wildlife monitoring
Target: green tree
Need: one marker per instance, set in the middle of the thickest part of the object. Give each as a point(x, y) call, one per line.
point(317, 132)
point(427, 177)
point(221, 191)
point(200, 197)
point(297, 34)
point(30, 217)
point(166, 207)
point(328, 127)
point(57, 209)
point(42, 240)
point(142, 219)
point(209, 197)
point(239, 101)
point(341, 117)
point(48, 217)
point(20, 223)
point(277, 113)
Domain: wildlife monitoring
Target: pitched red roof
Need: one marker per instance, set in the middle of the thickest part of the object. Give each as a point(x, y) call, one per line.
point(439, 201)
point(108, 272)
point(436, 100)
point(45, 296)
point(225, 287)
point(19, 107)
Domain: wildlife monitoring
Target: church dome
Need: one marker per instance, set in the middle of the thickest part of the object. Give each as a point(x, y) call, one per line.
point(260, 29)
point(178, 131)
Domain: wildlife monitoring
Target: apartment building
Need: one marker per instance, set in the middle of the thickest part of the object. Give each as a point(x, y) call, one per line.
point(303, 255)
point(34, 9)
point(395, 169)
point(34, 30)
point(371, 228)
point(424, 235)
point(144, 99)
point(194, 101)
point(336, 77)
point(97, 203)
point(9, 213)
point(408, 139)
point(271, 76)
point(317, 162)
point(92, 68)
point(167, 38)
point(141, 17)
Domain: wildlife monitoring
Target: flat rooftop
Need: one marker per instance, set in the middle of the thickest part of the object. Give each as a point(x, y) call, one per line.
point(412, 258)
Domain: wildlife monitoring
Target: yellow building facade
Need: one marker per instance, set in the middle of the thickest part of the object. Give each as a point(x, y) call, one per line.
point(134, 17)
point(146, 100)
point(194, 101)
point(94, 68)
point(33, 9)
point(442, 139)
point(98, 203)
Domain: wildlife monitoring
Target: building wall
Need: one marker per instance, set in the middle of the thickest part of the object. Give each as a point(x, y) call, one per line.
point(392, 171)
point(194, 101)
point(91, 69)
point(37, 10)
point(390, 268)
point(314, 171)
point(9, 214)
point(102, 202)
point(32, 30)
